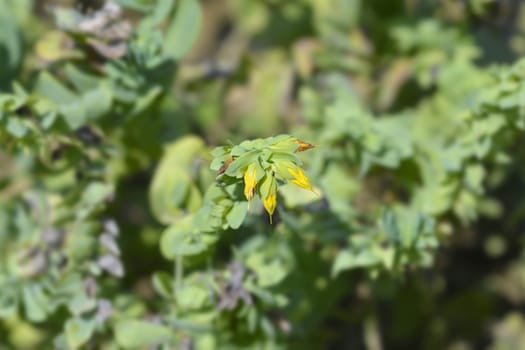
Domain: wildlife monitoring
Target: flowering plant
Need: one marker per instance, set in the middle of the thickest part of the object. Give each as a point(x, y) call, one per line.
point(262, 164)
point(403, 231)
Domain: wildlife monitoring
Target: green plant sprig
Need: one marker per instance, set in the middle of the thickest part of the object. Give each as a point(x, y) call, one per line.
point(262, 164)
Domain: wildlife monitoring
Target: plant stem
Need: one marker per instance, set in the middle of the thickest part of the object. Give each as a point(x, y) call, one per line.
point(179, 271)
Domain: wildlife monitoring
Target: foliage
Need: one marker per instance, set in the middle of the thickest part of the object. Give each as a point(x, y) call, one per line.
point(154, 192)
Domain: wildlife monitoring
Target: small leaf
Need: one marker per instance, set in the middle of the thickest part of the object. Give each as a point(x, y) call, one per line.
point(80, 79)
point(96, 192)
point(343, 261)
point(162, 283)
point(237, 213)
point(78, 331)
point(16, 128)
point(184, 29)
point(268, 273)
point(160, 11)
point(172, 191)
point(136, 334)
point(8, 302)
point(238, 165)
point(81, 303)
point(35, 302)
point(389, 225)
point(73, 114)
point(192, 297)
point(48, 120)
point(182, 239)
point(54, 90)
point(97, 102)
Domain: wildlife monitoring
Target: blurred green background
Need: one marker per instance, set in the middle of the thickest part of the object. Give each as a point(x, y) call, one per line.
point(414, 238)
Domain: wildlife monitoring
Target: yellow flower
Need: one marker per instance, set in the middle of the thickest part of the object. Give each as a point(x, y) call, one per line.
point(300, 178)
point(270, 202)
point(268, 193)
point(250, 181)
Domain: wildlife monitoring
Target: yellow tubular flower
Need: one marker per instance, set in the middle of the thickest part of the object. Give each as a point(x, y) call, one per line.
point(250, 181)
point(270, 202)
point(300, 178)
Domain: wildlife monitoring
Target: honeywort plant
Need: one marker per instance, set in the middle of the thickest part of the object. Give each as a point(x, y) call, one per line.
point(262, 164)
point(121, 226)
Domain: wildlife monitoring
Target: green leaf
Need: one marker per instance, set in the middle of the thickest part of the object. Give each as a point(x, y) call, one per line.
point(389, 225)
point(16, 127)
point(35, 302)
point(220, 151)
point(237, 213)
point(78, 331)
point(145, 100)
point(235, 169)
point(48, 120)
point(192, 297)
point(97, 102)
point(343, 261)
point(74, 114)
point(54, 90)
point(286, 157)
point(134, 334)
point(184, 29)
point(347, 259)
point(80, 79)
point(8, 302)
point(180, 192)
point(181, 239)
point(267, 185)
point(172, 191)
point(268, 273)
point(474, 175)
point(70, 105)
point(96, 193)
point(162, 283)
point(162, 9)
point(11, 45)
point(81, 303)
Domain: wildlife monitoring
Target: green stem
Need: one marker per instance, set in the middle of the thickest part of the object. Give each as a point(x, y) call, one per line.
point(179, 271)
